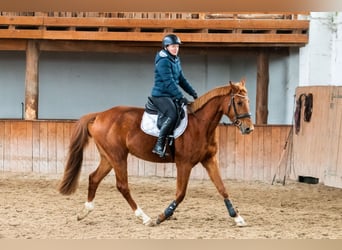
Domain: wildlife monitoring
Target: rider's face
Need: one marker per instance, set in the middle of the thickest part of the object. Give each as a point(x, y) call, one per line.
point(173, 49)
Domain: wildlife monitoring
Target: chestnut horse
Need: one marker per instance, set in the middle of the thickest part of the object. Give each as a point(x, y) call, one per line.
point(116, 133)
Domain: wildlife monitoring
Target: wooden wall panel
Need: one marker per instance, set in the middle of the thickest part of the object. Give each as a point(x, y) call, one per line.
point(18, 149)
point(267, 151)
point(198, 172)
point(61, 147)
point(42, 146)
point(336, 171)
point(248, 156)
point(317, 146)
point(133, 165)
point(169, 170)
point(6, 145)
point(258, 153)
point(276, 145)
point(35, 147)
point(333, 174)
point(240, 155)
point(229, 161)
point(309, 142)
point(25, 147)
point(251, 157)
point(52, 149)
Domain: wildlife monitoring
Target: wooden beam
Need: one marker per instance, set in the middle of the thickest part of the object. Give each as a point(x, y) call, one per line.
point(245, 38)
point(268, 32)
point(224, 24)
point(262, 87)
point(31, 80)
point(134, 47)
point(13, 44)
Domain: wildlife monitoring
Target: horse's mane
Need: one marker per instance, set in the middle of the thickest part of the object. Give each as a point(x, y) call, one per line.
point(202, 100)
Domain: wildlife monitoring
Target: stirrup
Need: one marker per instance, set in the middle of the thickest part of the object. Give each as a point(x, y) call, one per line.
point(170, 139)
point(161, 153)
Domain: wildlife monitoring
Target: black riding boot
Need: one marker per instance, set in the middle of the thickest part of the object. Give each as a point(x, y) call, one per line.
point(166, 127)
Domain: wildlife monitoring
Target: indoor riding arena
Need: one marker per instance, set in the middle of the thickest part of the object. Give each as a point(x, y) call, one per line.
point(284, 178)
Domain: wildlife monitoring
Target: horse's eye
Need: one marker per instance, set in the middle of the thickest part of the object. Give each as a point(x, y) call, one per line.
point(240, 103)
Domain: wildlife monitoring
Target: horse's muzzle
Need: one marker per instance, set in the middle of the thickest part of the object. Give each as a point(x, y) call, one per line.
point(245, 130)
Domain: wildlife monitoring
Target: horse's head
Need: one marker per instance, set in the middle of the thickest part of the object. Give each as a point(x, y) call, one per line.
point(238, 108)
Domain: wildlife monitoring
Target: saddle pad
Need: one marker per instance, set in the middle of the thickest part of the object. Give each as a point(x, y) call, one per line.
point(149, 124)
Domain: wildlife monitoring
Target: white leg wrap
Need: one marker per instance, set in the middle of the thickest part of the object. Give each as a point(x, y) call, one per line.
point(89, 205)
point(142, 216)
point(240, 222)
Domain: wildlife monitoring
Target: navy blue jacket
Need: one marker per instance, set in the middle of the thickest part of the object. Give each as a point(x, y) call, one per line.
point(168, 76)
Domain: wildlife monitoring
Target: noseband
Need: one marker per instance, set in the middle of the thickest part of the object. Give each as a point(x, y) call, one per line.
point(237, 117)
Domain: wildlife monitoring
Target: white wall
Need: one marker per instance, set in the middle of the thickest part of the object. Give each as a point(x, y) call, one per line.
point(72, 84)
point(321, 59)
point(336, 60)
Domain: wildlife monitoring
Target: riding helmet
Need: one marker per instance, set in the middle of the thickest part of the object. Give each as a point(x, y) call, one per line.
point(170, 39)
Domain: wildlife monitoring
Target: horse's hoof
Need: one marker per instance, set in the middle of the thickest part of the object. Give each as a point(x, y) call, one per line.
point(149, 223)
point(239, 221)
point(160, 219)
point(84, 213)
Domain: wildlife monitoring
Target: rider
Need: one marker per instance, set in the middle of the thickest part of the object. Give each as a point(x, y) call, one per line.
point(168, 77)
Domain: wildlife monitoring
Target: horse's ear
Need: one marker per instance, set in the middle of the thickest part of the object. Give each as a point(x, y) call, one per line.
point(233, 86)
point(243, 81)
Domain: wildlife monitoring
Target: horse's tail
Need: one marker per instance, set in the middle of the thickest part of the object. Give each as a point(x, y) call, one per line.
point(78, 141)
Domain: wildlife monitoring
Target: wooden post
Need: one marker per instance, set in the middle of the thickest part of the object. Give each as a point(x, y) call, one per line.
point(31, 80)
point(262, 87)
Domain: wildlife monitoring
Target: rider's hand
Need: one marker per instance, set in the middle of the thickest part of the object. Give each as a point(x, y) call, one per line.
point(183, 101)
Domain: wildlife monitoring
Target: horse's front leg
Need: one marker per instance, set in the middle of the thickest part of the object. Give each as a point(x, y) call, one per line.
point(211, 166)
point(183, 174)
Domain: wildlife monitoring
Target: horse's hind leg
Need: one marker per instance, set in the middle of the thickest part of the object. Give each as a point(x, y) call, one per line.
point(94, 180)
point(121, 176)
point(213, 171)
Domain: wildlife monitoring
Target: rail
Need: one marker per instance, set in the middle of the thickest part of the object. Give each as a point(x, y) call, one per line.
point(211, 29)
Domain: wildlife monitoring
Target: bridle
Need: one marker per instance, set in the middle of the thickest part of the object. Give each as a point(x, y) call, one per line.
point(237, 117)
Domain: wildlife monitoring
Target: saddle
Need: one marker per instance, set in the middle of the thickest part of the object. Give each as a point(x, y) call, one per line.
point(153, 118)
